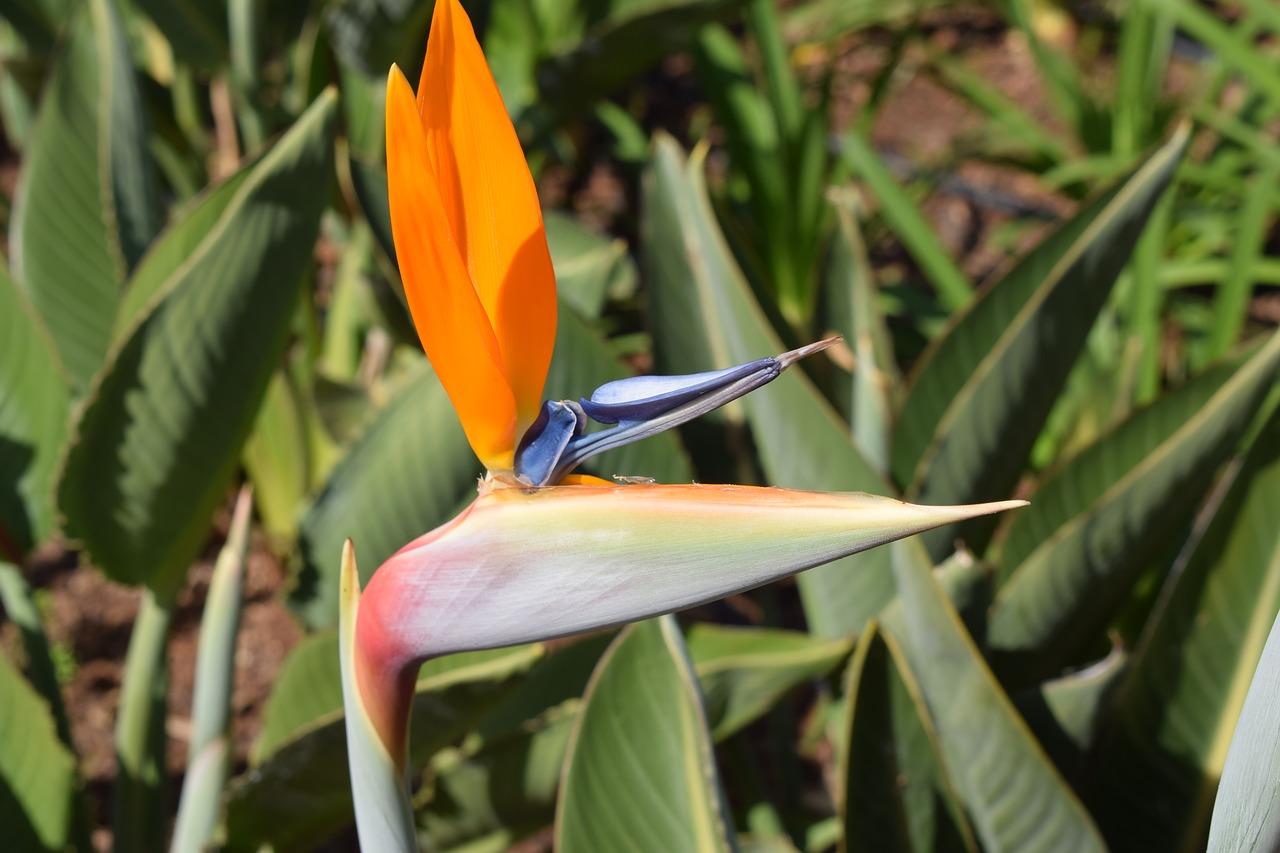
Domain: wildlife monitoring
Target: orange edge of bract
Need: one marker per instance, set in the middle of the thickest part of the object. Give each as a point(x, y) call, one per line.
point(446, 310)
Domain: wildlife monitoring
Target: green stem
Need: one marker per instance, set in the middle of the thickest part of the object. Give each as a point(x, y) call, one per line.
point(139, 815)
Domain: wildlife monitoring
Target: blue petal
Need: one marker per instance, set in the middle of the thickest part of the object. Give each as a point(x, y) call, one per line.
point(646, 397)
point(545, 441)
point(643, 406)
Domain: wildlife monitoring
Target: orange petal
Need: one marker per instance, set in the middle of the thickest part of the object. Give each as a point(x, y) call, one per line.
point(451, 321)
point(491, 201)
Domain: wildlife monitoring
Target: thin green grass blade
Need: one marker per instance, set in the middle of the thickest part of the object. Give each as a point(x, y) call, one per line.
point(908, 223)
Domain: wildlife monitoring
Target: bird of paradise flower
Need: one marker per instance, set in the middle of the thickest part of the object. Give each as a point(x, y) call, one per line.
point(542, 552)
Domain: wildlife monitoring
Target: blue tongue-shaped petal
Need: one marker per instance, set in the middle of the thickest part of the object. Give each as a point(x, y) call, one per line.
point(642, 406)
point(643, 397)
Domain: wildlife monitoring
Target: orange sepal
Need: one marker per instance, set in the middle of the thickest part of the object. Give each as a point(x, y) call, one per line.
point(491, 201)
point(446, 309)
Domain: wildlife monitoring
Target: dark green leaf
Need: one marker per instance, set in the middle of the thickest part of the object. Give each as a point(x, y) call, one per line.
point(590, 267)
point(705, 317)
point(88, 203)
point(300, 794)
point(33, 422)
point(37, 774)
point(640, 772)
point(984, 390)
point(409, 472)
point(1064, 591)
point(500, 793)
point(896, 795)
point(745, 671)
point(158, 441)
point(1012, 792)
point(1159, 767)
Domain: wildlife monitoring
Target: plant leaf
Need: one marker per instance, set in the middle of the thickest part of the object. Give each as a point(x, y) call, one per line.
point(158, 441)
point(33, 422)
point(1244, 814)
point(1012, 792)
point(37, 774)
point(300, 794)
point(855, 313)
point(743, 672)
point(1064, 591)
point(408, 472)
point(501, 792)
point(88, 177)
point(640, 771)
point(1174, 719)
point(590, 267)
point(983, 391)
point(705, 317)
point(895, 793)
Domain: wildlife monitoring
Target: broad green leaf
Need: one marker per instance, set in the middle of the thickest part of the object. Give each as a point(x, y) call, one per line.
point(501, 792)
point(88, 203)
point(590, 267)
point(640, 773)
point(895, 794)
point(985, 388)
point(196, 29)
point(745, 671)
point(1168, 746)
point(1068, 713)
point(159, 438)
point(556, 679)
point(300, 794)
point(33, 421)
point(277, 456)
point(37, 774)
point(1244, 814)
point(409, 472)
point(1013, 794)
point(190, 228)
point(705, 317)
point(1066, 589)
point(307, 688)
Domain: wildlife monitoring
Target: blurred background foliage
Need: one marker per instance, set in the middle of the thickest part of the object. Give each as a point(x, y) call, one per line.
point(1047, 232)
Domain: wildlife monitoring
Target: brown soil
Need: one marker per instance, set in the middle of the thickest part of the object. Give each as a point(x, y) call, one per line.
point(89, 619)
